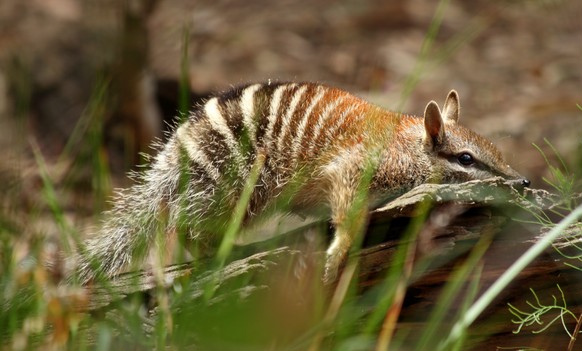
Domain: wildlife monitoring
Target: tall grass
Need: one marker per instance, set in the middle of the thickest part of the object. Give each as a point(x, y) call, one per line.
point(538, 314)
point(36, 311)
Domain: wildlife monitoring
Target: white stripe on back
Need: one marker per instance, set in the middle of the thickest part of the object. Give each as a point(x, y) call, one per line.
point(304, 120)
point(340, 120)
point(195, 153)
point(218, 124)
point(288, 116)
point(329, 109)
point(247, 106)
point(274, 109)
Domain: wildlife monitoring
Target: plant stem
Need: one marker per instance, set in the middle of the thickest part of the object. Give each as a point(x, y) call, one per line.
point(575, 334)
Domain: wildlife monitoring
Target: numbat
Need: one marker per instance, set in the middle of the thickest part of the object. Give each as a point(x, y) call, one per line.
point(309, 149)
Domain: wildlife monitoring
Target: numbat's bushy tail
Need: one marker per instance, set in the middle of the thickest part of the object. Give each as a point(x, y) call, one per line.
point(320, 145)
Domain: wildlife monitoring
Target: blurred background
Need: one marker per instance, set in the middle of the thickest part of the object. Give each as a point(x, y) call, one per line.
point(85, 86)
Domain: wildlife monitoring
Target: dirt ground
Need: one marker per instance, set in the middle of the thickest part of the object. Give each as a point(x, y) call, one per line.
point(515, 64)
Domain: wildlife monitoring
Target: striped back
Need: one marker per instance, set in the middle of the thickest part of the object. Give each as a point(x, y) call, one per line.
point(292, 124)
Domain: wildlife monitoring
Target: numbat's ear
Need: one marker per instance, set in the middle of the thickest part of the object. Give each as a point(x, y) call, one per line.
point(433, 124)
point(452, 107)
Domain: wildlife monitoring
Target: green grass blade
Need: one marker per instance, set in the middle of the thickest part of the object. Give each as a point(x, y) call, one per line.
point(508, 276)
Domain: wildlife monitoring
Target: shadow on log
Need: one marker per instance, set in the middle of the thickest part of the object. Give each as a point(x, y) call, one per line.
point(278, 281)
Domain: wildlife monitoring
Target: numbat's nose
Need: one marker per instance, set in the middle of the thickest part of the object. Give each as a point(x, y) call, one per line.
point(525, 183)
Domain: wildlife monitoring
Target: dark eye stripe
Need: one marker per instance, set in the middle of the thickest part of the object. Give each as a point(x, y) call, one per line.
point(454, 158)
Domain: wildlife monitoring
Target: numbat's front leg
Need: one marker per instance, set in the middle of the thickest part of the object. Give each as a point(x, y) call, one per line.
point(349, 206)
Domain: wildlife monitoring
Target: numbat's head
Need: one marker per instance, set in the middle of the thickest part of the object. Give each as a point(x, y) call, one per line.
point(448, 152)
point(461, 154)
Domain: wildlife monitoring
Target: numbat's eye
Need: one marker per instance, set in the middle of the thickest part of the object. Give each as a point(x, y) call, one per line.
point(466, 159)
